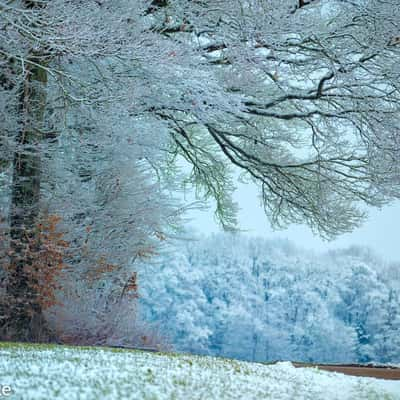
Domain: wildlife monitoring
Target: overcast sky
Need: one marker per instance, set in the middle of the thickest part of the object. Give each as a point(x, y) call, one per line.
point(380, 232)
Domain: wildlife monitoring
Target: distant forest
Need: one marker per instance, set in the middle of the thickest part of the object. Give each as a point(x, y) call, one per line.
point(261, 300)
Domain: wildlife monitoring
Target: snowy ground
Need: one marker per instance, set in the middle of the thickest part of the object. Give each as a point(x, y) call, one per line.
point(57, 372)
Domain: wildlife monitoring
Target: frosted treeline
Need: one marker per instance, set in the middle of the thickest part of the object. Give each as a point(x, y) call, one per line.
point(258, 299)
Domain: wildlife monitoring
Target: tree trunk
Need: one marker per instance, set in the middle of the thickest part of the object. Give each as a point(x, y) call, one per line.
point(25, 321)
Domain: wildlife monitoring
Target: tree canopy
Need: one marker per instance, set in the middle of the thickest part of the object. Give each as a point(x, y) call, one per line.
point(302, 98)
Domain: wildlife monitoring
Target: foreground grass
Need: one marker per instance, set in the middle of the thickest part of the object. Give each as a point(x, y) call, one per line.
point(62, 372)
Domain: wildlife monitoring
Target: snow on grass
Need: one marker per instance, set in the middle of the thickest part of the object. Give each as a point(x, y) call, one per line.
point(61, 372)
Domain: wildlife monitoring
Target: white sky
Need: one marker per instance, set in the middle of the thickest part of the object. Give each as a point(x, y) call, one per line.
point(380, 232)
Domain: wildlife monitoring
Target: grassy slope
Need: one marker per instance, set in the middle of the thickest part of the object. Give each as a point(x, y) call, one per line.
point(61, 372)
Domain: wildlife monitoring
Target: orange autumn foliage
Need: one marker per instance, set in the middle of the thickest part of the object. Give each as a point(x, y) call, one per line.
point(42, 253)
point(48, 260)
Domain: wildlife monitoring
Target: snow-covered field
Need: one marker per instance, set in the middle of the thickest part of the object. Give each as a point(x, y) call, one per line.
point(58, 372)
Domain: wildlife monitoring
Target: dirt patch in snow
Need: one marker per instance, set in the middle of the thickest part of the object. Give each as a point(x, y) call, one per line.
point(380, 372)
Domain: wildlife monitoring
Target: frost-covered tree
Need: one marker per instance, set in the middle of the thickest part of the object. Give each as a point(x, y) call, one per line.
point(301, 98)
point(67, 147)
point(304, 101)
point(114, 213)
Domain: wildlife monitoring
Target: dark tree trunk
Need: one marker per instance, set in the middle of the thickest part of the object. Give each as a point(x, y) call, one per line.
point(25, 320)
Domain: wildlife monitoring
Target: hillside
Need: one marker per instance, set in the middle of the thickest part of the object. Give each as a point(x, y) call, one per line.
point(59, 372)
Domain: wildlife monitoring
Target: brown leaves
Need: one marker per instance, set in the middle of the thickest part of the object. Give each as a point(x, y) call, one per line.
point(41, 254)
point(131, 287)
point(146, 252)
point(49, 260)
point(100, 268)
